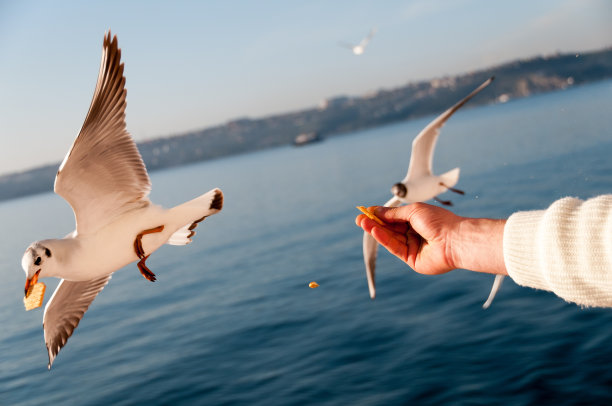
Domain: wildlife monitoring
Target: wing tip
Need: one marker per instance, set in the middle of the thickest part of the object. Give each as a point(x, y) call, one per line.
point(496, 285)
point(371, 285)
point(51, 358)
point(217, 201)
point(487, 82)
point(111, 43)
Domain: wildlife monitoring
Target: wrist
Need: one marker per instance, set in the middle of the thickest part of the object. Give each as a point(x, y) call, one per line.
point(477, 245)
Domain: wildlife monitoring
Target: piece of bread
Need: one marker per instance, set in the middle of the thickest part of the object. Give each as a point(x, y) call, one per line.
point(370, 215)
point(35, 295)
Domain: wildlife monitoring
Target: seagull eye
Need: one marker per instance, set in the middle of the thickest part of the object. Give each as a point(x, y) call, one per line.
point(47, 252)
point(37, 262)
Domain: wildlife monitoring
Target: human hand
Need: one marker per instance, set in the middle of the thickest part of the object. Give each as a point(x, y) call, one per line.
point(432, 240)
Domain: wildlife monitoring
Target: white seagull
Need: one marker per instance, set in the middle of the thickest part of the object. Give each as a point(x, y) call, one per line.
point(359, 48)
point(104, 180)
point(420, 184)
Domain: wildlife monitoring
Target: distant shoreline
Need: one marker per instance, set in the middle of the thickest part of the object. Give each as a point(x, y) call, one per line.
point(344, 114)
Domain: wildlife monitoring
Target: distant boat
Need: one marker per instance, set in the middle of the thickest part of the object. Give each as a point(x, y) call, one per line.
point(306, 138)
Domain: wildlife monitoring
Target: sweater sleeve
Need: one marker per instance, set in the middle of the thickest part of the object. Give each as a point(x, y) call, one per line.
point(566, 249)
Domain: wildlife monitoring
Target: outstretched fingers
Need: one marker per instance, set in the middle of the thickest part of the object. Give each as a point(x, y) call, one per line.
point(395, 242)
point(394, 237)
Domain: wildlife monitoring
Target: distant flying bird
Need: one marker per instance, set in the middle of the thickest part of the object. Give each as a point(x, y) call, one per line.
point(104, 180)
point(420, 184)
point(359, 48)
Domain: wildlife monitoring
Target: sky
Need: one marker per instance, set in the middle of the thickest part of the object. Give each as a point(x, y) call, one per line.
point(194, 64)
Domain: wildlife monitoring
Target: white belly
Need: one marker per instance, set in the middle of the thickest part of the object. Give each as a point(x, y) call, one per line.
point(112, 247)
point(424, 189)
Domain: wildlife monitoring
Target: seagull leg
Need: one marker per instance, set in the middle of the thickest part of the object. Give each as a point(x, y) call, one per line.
point(146, 272)
point(444, 202)
point(461, 192)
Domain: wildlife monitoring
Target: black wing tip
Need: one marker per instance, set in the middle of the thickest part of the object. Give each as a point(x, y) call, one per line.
point(217, 202)
point(110, 40)
point(487, 82)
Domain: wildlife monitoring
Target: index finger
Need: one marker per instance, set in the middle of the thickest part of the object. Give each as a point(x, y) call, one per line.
point(370, 215)
point(399, 226)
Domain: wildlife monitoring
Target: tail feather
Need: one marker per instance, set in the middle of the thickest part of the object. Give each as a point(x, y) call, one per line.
point(211, 203)
point(450, 178)
point(217, 202)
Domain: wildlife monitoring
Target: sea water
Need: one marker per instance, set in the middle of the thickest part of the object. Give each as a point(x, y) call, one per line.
point(232, 321)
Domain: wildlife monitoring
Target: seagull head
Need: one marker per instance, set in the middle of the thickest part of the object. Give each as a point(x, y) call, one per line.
point(33, 261)
point(400, 190)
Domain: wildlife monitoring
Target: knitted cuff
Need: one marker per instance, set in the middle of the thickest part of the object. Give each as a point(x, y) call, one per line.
point(521, 243)
point(566, 249)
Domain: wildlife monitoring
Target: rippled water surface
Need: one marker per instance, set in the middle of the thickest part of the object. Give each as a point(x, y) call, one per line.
point(231, 319)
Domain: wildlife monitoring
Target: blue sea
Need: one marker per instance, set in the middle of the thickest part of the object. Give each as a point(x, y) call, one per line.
point(232, 321)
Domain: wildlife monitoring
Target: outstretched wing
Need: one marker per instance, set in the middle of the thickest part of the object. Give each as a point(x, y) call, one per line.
point(103, 174)
point(423, 145)
point(65, 310)
point(367, 39)
point(370, 252)
point(346, 45)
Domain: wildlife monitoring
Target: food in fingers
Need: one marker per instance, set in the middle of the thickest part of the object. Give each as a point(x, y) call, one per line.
point(370, 215)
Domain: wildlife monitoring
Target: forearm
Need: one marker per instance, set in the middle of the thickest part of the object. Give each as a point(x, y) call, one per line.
point(476, 244)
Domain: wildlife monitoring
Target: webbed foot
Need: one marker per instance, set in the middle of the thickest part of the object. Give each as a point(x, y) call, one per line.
point(144, 270)
point(444, 202)
point(452, 189)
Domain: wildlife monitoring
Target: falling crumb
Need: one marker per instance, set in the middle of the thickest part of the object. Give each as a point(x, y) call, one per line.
point(313, 285)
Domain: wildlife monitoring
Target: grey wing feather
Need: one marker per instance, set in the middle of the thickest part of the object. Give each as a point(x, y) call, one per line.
point(370, 252)
point(103, 174)
point(65, 310)
point(346, 45)
point(423, 145)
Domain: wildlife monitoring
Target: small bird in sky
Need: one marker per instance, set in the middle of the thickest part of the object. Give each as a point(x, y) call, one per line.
point(359, 48)
point(105, 181)
point(420, 184)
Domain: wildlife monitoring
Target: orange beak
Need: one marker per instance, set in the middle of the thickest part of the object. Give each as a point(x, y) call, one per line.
point(31, 282)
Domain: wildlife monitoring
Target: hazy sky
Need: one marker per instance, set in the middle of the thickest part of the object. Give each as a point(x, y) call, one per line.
point(194, 64)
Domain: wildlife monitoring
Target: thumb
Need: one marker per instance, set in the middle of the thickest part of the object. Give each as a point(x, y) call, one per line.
point(403, 214)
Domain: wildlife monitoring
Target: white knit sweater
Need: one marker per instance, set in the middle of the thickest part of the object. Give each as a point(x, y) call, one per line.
point(566, 249)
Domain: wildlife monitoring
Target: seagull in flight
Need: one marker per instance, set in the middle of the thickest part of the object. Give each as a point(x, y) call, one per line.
point(105, 181)
point(359, 48)
point(420, 184)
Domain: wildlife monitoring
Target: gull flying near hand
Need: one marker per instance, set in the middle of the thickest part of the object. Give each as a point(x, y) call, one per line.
point(420, 184)
point(359, 48)
point(104, 180)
